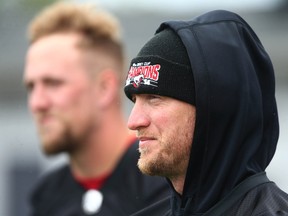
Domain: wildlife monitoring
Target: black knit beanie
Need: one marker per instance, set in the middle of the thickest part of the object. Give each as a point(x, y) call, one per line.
point(162, 67)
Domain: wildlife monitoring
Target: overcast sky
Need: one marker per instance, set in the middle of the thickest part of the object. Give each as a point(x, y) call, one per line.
point(184, 5)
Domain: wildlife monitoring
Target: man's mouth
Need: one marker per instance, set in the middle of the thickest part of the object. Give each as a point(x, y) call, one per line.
point(145, 140)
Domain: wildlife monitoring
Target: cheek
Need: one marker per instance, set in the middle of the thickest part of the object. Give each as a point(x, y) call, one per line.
point(167, 127)
point(74, 97)
point(178, 127)
point(162, 119)
point(80, 112)
point(75, 107)
point(170, 121)
point(85, 104)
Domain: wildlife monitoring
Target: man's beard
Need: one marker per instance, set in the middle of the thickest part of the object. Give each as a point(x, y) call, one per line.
point(67, 138)
point(64, 142)
point(164, 163)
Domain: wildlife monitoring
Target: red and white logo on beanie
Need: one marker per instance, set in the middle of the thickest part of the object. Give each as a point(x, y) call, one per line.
point(143, 73)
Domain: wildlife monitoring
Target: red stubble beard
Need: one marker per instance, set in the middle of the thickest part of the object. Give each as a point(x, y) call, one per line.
point(162, 160)
point(55, 134)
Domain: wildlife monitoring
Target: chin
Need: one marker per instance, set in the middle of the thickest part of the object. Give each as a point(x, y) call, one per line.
point(52, 147)
point(147, 167)
point(49, 151)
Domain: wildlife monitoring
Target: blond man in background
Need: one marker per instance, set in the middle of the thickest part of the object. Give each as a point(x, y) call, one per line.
point(74, 75)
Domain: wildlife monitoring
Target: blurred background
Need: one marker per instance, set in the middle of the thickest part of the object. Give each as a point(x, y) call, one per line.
point(21, 160)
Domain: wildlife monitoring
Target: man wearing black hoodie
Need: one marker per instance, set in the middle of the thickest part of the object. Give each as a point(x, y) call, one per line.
point(206, 117)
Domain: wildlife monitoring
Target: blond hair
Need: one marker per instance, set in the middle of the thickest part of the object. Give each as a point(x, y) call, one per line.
point(98, 28)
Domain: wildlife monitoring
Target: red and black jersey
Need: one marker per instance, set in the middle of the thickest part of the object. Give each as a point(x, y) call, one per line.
point(124, 192)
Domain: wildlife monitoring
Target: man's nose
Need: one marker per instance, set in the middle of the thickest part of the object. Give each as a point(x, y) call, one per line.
point(38, 99)
point(138, 118)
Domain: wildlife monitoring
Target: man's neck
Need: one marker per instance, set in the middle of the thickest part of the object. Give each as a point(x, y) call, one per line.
point(103, 151)
point(178, 184)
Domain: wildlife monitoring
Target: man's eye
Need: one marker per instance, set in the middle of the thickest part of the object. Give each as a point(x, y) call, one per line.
point(154, 97)
point(29, 87)
point(133, 98)
point(54, 83)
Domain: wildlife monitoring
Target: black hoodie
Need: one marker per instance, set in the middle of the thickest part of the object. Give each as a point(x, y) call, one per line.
point(237, 128)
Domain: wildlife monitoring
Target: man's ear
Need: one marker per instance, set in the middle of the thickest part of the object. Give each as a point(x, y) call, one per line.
point(107, 88)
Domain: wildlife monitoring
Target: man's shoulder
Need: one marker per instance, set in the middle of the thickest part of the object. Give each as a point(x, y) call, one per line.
point(54, 175)
point(160, 208)
point(56, 191)
point(51, 181)
point(265, 199)
point(271, 198)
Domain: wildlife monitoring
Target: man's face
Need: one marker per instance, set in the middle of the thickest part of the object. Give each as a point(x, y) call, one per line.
point(165, 128)
point(61, 93)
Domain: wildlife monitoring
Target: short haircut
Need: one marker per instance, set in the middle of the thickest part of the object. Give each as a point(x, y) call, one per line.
point(98, 28)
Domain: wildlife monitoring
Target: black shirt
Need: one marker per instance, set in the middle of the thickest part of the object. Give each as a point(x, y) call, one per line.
point(126, 191)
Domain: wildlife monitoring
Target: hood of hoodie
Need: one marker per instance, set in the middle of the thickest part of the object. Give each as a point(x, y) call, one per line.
point(237, 129)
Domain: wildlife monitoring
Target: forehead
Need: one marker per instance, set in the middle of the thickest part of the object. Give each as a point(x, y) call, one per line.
point(55, 42)
point(52, 54)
